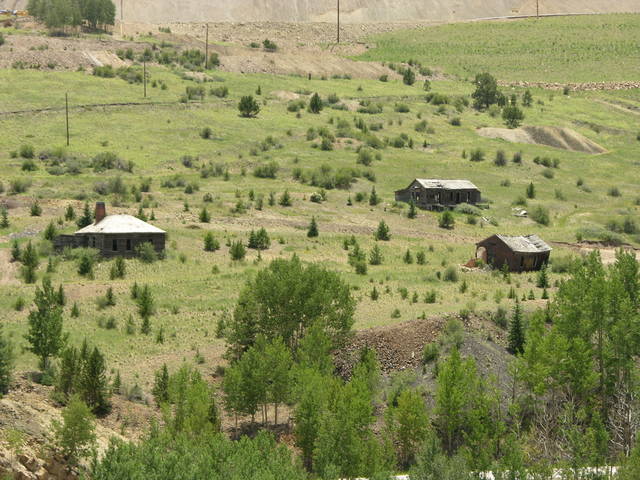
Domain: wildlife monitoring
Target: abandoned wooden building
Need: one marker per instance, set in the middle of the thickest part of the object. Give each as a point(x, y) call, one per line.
point(520, 254)
point(114, 235)
point(432, 194)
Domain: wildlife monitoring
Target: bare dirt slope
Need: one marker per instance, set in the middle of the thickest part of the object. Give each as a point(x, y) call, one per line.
point(563, 138)
point(353, 11)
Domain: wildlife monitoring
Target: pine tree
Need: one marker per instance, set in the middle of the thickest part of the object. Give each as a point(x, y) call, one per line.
point(30, 263)
point(205, 216)
point(85, 266)
point(116, 386)
point(374, 295)
point(4, 217)
point(61, 296)
point(87, 217)
point(16, 251)
point(7, 359)
point(118, 269)
point(94, 384)
point(70, 213)
point(315, 104)
point(210, 243)
point(145, 328)
point(135, 291)
point(527, 98)
point(75, 310)
point(446, 220)
point(373, 197)
point(408, 257)
point(50, 232)
point(413, 212)
point(285, 199)
point(51, 266)
point(36, 209)
point(69, 370)
point(543, 277)
point(382, 233)
point(312, 232)
point(45, 334)
point(375, 257)
point(160, 389)
point(146, 306)
point(531, 191)
point(110, 298)
point(516, 331)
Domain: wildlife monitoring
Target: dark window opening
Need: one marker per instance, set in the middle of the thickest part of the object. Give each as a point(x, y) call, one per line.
point(114, 245)
point(521, 262)
point(128, 244)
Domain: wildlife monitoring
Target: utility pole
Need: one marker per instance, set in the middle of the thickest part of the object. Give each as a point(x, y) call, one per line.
point(144, 77)
point(66, 108)
point(338, 21)
point(206, 49)
point(538, 8)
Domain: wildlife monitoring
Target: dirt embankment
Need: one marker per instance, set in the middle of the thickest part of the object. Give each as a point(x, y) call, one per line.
point(556, 137)
point(399, 347)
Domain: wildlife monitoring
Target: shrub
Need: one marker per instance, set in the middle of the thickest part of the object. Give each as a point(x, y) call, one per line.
point(220, 92)
point(211, 244)
point(104, 71)
point(476, 155)
point(540, 214)
point(512, 116)
point(267, 170)
point(430, 353)
point(402, 108)
point(382, 233)
point(259, 240)
point(26, 151)
point(206, 133)
point(29, 165)
point(315, 104)
point(614, 192)
point(269, 46)
point(450, 274)
point(446, 220)
point(146, 252)
point(455, 121)
point(237, 251)
point(501, 159)
point(409, 77)
point(248, 107)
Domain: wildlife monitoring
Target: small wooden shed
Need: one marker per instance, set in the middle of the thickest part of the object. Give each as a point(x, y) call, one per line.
point(114, 235)
point(432, 194)
point(520, 253)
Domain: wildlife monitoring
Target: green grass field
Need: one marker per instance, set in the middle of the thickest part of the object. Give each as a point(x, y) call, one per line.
point(191, 297)
point(593, 48)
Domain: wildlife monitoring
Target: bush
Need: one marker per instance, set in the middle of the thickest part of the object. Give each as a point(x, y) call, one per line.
point(104, 71)
point(446, 220)
point(206, 133)
point(26, 151)
point(455, 121)
point(237, 251)
point(540, 214)
point(450, 274)
point(430, 353)
point(220, 92)
point(146, 252)
point(501, 159)
point(269, 46)
point(267, 170)
point(248, 107)
point(476, 155)
point(614, 192)
point(409, 77)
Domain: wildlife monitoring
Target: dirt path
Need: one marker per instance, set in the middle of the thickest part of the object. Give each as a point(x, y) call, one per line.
point(608, 254)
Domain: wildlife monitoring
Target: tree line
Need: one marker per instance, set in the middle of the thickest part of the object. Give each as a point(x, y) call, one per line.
point(60, 14)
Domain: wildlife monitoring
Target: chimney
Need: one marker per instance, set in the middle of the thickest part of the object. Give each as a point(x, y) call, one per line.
point(101, 211)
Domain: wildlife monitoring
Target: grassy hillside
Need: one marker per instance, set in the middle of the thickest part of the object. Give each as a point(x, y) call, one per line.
point(564, 49)
point(194, 289)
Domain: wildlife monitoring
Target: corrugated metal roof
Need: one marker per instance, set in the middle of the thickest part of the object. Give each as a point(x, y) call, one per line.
point(120, 224)
point(525, 244)
point(446, 184)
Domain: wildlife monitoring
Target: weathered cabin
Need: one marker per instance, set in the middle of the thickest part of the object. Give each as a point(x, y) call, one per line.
point(114, 235)
point(522, 253)
point(431, 194)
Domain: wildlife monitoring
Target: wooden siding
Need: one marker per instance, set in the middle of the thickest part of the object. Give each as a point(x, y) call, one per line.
point(437, 198)
point(498, 253)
